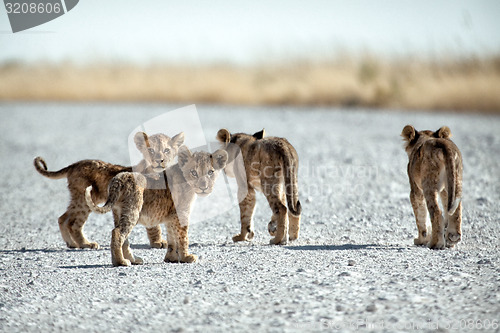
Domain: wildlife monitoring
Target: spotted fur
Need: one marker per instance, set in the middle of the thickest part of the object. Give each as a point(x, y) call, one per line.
point(97, 173)
point(135, 199)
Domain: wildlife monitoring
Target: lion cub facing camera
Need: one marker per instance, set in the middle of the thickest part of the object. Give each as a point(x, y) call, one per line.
point(159, 152)
point(435, 171)
point(135, 199)
point(270, 166)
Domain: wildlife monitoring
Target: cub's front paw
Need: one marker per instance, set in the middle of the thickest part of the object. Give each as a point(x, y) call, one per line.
point(276, 241)
point(239, 238)
point(159, 245)
point(91, 245)
point(437, 245)
point(190, 258)
point(420, 241)
point(171, 257)
point(124, 262)
point(137, 261)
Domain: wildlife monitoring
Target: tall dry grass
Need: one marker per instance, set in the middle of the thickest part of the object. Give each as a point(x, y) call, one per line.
point(470, 84)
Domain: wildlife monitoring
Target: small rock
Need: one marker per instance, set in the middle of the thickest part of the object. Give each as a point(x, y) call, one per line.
point(351, 262)
point(484, 261)
point(186, 300)
point(371, 308)
point(211, 271)
point(301, 270)
point(309, 200)
point(339, 307)
point(345, 274)
point(122, 274)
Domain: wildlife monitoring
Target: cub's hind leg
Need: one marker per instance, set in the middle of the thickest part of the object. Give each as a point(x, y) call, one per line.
point(437, 238)
point(64, 229)
point(247, 207)
point(454, 230)
point(273, 195)
point(121, 254)
point(155, 239)
point(73, 224)
point(420, 210)
point(293, 226)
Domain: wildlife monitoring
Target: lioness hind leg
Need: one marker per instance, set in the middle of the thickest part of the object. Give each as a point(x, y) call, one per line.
point(247, 207)
point(454, 230)
point(420, 211)
point(155, 238)
point(437, 238)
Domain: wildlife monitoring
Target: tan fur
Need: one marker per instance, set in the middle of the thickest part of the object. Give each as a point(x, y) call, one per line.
point(271, 167)
point(435, 172)
point(132, 203)
point(97, 173)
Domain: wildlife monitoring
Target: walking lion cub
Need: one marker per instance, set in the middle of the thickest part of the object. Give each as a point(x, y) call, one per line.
point(435, 171)
point(135, 199)
point(271, 167)
point(159, 152)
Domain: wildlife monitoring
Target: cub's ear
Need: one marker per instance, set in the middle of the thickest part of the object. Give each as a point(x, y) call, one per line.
point(219, 159)
point(141, 140)
point(444, 132)
point(178, 140)
point(223, 136)
point(408, 133)
point(184, 155)
point(259, 135)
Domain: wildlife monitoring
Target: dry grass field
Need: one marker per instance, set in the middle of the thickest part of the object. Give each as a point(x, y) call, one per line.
point(471, 84)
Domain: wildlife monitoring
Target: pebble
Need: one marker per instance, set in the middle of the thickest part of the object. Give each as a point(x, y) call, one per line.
point(371, 308)
point(351, 262)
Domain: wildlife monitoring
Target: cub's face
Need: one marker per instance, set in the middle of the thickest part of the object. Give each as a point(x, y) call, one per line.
point(158, 150)
point(200, 169)
point(412, 136)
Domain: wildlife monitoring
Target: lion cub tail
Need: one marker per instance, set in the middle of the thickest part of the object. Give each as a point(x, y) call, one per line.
point(114, 193)
point(41, 167)
point(453, 179)
point(291, 186)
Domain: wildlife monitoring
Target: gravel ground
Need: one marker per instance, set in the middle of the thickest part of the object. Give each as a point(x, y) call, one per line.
point(353, 268)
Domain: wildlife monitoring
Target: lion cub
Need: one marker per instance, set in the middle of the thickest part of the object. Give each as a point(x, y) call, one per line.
point(271, 167)
point(135, 199)
point(435, 171)
point(158, 151)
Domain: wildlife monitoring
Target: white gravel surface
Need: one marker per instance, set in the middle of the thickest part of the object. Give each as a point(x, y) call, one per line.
point(353, 268)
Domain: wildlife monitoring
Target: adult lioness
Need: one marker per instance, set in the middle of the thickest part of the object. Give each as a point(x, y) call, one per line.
point(270, 166)
point(159, 151)
point(135, 199)
point(435, 170)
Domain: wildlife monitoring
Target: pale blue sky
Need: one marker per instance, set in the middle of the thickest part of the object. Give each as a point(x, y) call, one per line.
point(247, 31)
